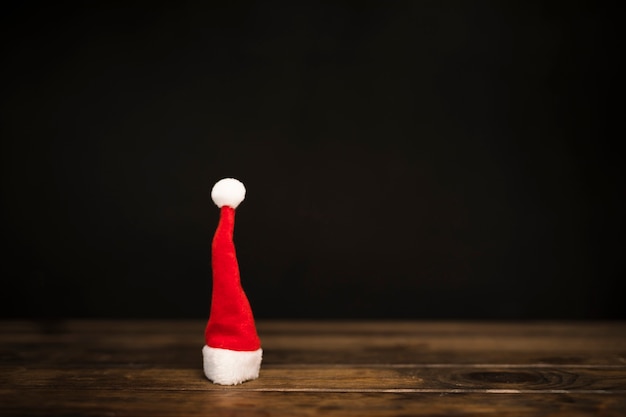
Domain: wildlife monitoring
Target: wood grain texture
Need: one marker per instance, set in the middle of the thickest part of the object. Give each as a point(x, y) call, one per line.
point(317, 368)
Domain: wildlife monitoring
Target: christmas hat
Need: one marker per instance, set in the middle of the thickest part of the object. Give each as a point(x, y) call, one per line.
point(232, 353)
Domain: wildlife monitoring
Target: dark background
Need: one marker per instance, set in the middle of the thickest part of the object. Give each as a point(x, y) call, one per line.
point(426, 159)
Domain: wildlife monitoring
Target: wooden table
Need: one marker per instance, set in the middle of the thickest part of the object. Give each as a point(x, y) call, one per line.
point(154, 368)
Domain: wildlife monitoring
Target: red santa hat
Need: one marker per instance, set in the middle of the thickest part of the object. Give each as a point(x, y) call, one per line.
point(232, 353)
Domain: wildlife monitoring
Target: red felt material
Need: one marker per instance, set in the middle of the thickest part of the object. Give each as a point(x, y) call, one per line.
point(231, 323)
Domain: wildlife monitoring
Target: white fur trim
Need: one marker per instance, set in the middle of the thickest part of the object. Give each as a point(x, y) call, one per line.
point(231, 367)
point(228, 192)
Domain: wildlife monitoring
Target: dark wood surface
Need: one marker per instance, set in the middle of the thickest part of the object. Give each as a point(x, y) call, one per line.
point(154, 368)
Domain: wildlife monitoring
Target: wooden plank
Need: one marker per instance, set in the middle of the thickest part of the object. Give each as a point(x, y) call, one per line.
point(223, 403)
point(80, 367)
point(178, 343)
point(334, 379)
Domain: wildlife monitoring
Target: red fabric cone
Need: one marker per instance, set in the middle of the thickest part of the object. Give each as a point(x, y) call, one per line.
point(231, 323)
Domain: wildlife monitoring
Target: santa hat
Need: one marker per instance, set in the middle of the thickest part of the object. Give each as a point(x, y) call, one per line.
point(232, 353)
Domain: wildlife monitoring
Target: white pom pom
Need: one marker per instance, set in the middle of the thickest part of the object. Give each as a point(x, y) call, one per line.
point(228, 192)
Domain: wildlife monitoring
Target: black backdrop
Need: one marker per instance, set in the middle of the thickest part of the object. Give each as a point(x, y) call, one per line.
point(403, 159)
